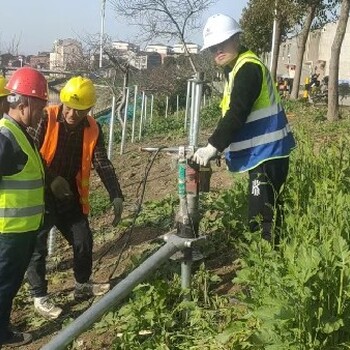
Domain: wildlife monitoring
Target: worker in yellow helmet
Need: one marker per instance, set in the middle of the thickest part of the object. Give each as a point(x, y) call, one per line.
point(4, 105)
point(70, 140)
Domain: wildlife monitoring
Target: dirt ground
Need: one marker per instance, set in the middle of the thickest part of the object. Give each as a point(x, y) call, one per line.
point(112, 253)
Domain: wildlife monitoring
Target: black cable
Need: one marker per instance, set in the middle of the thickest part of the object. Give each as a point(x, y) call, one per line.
point(129, 230)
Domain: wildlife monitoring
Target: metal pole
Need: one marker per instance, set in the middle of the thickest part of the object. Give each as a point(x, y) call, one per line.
point(134, 115)
point(177, 105)
point(166, 106)
point(274, 29)
point(188, 96)
point(113, 297)
point(146, 109)
point(111, 127)
point(102, 30)
point(192, 108)
point(196, 113)
point(141, 117)
point(152, 101)
point(51, 241)
point(122, 144)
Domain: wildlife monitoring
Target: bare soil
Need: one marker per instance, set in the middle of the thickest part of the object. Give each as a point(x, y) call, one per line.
point(112, 254)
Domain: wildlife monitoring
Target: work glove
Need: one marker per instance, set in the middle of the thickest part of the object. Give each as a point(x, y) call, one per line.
point(60, 188)
point(204, 154)
point(118, 210)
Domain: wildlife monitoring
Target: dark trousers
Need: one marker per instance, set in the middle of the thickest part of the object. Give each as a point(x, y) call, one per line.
point(74, 226)
point(265, 182)
point(15, 252)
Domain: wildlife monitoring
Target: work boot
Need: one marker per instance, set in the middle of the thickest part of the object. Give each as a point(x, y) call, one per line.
point(89, 289)
point(46, 308)
point(16, 339)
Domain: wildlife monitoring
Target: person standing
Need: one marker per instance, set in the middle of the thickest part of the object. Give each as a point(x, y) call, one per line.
point(4, 105)
point(21, 190)
point(70, 140)
point(253, 132)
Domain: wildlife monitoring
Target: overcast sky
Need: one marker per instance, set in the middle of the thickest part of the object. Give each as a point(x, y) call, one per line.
point(38, 23)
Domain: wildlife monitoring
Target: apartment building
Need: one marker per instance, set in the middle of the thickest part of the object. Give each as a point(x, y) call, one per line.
point(317, 54)
point(191, 47)
point(65, 53)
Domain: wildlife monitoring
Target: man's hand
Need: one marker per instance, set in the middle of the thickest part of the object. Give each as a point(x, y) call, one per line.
point(60, 188)
point(204, 154)
point(118, 210)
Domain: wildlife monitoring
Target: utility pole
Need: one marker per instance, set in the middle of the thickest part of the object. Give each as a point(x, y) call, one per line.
point(102, 29)
point(274, 29)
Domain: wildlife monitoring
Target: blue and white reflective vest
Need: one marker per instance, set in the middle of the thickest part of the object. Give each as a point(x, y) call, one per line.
point(266, 133)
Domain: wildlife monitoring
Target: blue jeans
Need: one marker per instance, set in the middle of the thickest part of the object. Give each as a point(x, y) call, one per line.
point(16, 250)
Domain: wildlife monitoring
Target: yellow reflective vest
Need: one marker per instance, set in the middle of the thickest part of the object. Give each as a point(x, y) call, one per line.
point(266, 133)
point(22, 205)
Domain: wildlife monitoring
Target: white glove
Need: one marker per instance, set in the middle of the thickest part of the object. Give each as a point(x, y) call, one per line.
point(204, 154)
point(60, 188)
point(118, 210)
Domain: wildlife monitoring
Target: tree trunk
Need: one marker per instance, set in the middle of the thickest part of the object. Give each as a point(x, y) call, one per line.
point(301, 50)
point(122, 101)
point(333, 95)
point(276, 50)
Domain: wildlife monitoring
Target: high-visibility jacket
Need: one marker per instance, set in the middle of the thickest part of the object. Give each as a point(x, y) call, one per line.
point(48, 150)
point(266, 133)
point(22, 205)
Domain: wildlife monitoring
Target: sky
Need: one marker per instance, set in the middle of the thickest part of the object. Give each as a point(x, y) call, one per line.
point(36, 24)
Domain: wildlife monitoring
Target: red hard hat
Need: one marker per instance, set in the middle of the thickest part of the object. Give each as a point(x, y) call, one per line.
point(28, 81)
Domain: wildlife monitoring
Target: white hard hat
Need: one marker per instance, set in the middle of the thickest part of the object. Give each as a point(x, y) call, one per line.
point(219, 28)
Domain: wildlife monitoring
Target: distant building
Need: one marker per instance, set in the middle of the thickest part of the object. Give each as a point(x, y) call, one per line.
point(146, 60)
point(191, 47)
point(66, 52)
point(40, 61)
point(163, 50)
point(317, 54)
point(125, 46)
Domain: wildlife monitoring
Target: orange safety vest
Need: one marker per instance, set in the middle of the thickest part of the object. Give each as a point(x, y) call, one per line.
point(48, 150)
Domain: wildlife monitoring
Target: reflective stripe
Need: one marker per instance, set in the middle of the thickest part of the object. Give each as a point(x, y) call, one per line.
point(21, 212)
point(264, 113)
point(260, 140)
point(20, 184)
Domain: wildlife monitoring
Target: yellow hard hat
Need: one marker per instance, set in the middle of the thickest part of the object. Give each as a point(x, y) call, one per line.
point(78, 93)
point(3, 91)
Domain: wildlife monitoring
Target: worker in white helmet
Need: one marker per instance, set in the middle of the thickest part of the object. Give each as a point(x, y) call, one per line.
point(253, 132)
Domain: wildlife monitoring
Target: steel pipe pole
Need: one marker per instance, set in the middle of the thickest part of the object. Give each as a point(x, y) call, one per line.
point(120, 291)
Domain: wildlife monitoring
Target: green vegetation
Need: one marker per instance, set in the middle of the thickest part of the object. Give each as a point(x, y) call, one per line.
point(292, 296)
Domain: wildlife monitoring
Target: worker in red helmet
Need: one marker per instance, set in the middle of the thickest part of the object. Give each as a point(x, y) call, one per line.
point(21, 190)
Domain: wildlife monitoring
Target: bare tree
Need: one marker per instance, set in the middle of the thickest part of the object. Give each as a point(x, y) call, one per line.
point(333, 94)
point(164, 19)
point(114, 74)
point(13, 45)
